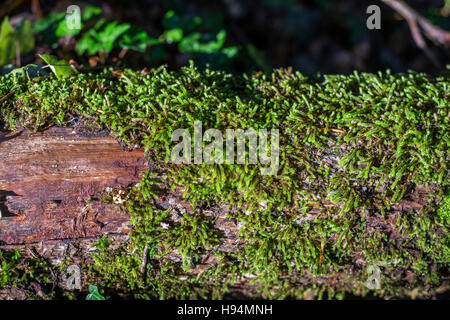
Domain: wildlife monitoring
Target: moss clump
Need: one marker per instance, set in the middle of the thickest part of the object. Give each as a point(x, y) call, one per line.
point(352, 147)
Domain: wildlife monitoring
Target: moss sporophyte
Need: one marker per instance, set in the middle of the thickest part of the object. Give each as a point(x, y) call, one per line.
point(349, 151)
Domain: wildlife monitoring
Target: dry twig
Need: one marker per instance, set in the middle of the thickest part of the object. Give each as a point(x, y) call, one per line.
point(144, 262)
point(418, 25)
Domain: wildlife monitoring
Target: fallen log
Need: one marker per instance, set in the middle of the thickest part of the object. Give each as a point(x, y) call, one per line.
point(51, 181)
point(362, 183)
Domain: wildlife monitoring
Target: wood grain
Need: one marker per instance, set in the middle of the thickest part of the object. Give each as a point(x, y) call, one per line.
point(46, 179)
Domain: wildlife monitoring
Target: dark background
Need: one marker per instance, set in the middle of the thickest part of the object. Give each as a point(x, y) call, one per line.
point(308, 35)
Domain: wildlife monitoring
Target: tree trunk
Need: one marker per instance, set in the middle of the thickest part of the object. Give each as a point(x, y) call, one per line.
point(51, 184)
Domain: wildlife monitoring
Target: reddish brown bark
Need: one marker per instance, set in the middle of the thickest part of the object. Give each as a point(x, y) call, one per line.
point(46, 179)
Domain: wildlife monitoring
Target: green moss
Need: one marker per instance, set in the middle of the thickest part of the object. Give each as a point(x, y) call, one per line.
point(444, 209)
point(19, 270)
point(351, 148)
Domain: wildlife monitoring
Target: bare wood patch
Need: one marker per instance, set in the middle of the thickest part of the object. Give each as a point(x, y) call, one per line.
point(47, 178)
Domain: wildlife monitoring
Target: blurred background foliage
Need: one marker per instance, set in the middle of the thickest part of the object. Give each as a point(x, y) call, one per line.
point(238, 36)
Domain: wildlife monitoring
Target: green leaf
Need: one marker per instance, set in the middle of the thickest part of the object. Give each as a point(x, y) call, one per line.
point(50, 22)
point(55, 24)
point(205, 43)
point(102, 37)
point(94, 294)
point(173, 35)
point(60, 68)
point(230, 52)
point(136, 38)
point(9, 39)
point(111, 33)
point(90, 12)
point(25, 37)
point(47, 28)
point(89, 44)
point(7, 42)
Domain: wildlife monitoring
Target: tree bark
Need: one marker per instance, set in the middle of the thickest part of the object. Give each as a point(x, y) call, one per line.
point(48, 181)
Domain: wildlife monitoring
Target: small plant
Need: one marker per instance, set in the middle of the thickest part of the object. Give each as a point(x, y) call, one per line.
point(19, 269)
point(15, 41)
point(99, 36)
point(59, 67)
